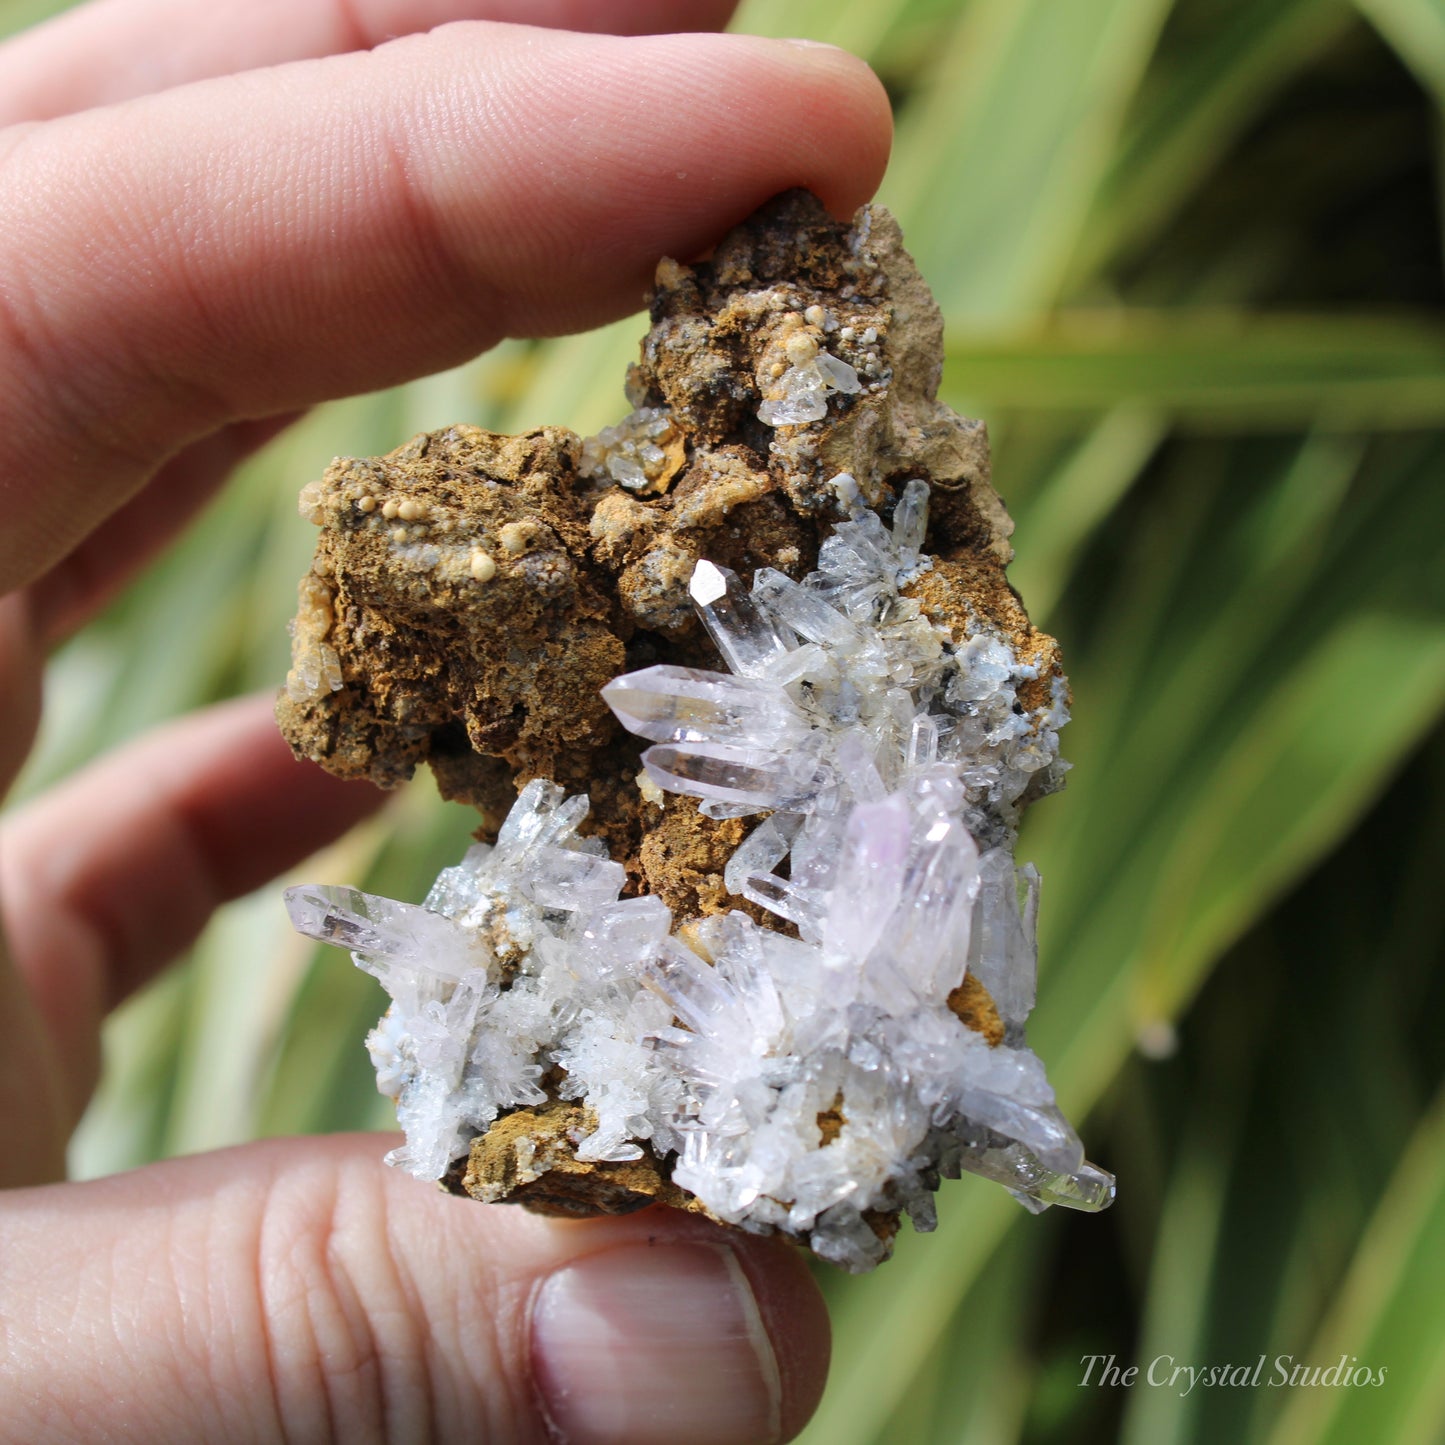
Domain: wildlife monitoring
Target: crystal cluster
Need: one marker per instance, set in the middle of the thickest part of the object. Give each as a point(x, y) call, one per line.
point(801, 393)
point(638, 453)
point(803, 1078)
point(522, 958)
point(748, 707)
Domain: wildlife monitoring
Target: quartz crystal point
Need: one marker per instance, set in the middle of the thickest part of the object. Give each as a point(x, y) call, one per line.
point(797, 1022)
point(744, 634)
point(379, 931)
point(685, 705)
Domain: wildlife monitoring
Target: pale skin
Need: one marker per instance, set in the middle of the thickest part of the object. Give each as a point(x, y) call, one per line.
point(212, 217)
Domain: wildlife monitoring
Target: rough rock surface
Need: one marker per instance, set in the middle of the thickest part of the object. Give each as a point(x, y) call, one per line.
point(471, 593)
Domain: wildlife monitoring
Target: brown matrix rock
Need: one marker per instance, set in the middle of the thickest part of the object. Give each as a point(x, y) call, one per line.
point(471, 592)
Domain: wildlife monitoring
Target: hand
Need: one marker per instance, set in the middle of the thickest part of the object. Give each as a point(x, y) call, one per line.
point(208, 222)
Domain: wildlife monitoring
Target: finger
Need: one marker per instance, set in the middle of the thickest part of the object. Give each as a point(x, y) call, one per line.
point(32, 1137)
point(85, 580)
point(40, 1112)
point(20, 672)
point(114, 50)
point(195, 813)
point(298, 1290)
point(250, 245)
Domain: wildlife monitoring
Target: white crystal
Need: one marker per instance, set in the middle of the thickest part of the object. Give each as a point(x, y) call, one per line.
point(892, 759)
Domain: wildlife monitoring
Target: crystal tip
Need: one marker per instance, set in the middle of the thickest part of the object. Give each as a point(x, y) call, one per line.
point(708, 584)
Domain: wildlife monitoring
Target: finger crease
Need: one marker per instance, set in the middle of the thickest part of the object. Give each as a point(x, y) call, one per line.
point(417, 1406)
point(366, 1372)
point(271, 1348)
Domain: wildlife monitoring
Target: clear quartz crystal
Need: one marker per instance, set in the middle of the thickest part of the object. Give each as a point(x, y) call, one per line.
point(379, 932)
point(796, 409)
point(744, 634)
point(910, 517)
point(838, 374)
point(890, 761)
point(733, 773)
point(869, 881)
point(683, 705)
point(806, 613)
point(628, 453)
point(802, 391)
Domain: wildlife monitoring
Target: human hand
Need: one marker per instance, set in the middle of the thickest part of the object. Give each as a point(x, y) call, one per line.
point(208, 222)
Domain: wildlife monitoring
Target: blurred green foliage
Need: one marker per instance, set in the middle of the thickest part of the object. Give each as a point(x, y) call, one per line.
point(1189, 252)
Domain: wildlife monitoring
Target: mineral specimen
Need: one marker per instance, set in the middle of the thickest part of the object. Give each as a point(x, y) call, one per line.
point(776, 967)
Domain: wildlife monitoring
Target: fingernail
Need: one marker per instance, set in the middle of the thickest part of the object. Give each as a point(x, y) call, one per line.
point(806, 44)
point(654, 1344)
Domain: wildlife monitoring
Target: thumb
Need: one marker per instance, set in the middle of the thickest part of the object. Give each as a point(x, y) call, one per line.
point(298, 1290)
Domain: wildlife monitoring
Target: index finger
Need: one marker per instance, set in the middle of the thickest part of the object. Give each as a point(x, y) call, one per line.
point(251, 245)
